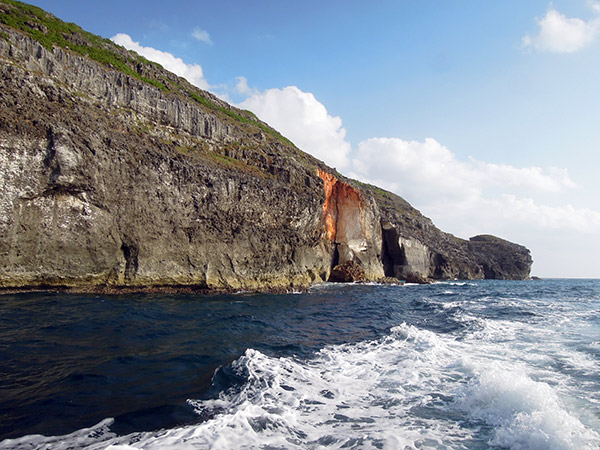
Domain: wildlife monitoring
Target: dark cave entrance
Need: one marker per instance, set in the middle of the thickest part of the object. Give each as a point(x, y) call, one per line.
point(335, 259)
point(130, 253)
point(392, 255)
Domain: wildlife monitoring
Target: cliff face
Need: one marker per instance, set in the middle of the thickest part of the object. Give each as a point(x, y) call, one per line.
point(352, 226)
point(114, 179)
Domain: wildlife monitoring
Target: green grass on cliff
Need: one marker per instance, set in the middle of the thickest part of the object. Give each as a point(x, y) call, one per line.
point(248, 117)
point(50, 32)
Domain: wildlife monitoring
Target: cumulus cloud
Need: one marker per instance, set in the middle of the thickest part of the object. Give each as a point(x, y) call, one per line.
point(424, 170)
point(304, 120)
point(520, 219)
point(534, 178)
point(560, 34)
point(202, 36)
point(429, 169)
point(191, 72)
point(469, 197)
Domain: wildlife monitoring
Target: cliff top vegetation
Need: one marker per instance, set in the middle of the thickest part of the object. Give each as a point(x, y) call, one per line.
point(51, 32)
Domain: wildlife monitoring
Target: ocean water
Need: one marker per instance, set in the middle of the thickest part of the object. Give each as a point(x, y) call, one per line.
point(454, 365)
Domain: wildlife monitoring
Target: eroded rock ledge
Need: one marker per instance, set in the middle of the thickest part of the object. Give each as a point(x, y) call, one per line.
point(111, 183)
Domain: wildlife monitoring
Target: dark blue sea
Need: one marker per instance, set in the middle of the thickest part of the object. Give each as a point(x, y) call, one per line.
point(453, 365)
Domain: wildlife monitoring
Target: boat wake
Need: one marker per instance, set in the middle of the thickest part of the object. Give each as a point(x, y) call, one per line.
point(410, 389)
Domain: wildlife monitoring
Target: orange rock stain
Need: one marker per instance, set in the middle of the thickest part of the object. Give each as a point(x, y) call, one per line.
point(338, 197)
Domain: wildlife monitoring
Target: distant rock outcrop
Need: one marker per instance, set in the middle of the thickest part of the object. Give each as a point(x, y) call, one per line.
point(116, 173)
point(500, 259)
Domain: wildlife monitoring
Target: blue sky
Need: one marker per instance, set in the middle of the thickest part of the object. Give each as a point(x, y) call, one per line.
point(483, 115)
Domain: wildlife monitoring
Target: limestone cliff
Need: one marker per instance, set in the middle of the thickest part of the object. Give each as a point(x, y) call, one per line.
point(117, 173)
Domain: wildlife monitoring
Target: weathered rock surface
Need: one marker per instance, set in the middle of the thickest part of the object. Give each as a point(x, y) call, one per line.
point(500, 259)
point(109, 181)
point(348, 272)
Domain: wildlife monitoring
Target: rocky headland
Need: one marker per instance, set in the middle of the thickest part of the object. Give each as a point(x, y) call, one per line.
point(117, 174)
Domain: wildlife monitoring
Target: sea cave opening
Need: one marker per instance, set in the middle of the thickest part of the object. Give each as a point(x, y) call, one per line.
point(392, 255)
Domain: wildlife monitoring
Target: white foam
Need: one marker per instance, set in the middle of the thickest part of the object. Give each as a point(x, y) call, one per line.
point(356, 395)
point(411, 389)
point(90, 438)
point(456, 283)
point(334, 286)
point(525, 414)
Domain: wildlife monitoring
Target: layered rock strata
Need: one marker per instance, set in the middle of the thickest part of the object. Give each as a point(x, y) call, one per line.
point(109, 181)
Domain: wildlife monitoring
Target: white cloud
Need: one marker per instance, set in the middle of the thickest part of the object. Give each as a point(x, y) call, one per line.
point(430, 170)
point(191, 72)
point(528, 178)
point(560, 34)
point(468, 197)
point(594, 5)
point(202, 35)
point(242, 87)
point(526, 211)
point(303, 119)
point(416, 170)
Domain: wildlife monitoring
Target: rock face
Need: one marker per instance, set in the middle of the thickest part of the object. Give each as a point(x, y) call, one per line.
point(500, 259)
point(117, 179)
point(348, 272)
point(352, 226)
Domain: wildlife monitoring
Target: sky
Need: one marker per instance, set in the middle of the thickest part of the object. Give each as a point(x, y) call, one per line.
point(485, 116)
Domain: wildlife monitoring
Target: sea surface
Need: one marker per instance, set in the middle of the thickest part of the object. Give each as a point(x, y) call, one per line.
point(453, 365)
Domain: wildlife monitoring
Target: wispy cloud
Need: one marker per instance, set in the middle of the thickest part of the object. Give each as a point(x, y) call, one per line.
point(159, 25)
point(560, 34)
point(242, 87)
point(202, 36)
point(192, 72)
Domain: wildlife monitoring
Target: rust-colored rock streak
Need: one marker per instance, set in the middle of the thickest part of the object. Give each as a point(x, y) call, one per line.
point(330, 205)
point(341, 210)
